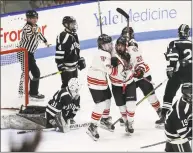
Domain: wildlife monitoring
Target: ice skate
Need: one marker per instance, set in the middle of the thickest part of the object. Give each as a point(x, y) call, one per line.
point(122, 123)
point(38, 97)
point(160, 123)
point(92, 131)
point(129, 127)
point(159, 112)
point(106, 123)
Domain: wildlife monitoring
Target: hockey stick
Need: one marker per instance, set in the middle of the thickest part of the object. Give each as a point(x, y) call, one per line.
point(72, 127)
point(148, 81)
point(122, 12)
point(100, 20)
point(151, 92)
point(162, 142)
point(45, 76)
point(48, 75)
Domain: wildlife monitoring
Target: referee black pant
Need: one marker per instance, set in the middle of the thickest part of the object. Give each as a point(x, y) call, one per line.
point(182, 76)
point(34, 72)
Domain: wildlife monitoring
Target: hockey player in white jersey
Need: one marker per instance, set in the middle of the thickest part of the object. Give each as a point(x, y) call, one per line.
point(123, 85)
point(142, 82)
point(98, 86)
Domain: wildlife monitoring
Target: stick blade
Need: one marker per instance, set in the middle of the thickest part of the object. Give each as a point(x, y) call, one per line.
point(122, 12)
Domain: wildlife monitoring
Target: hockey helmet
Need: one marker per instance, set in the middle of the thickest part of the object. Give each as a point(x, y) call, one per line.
point(184, 31)
point(31, 14)
point(120, 48)
point(70, 23)
point(120, 45)
point(103, 40)
point(131, 32)
point(187, 92)
point(74, 86)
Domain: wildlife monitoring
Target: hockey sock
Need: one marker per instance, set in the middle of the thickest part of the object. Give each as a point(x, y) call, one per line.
point(123, 112)
point(154, 101)
point(98, 111)
point(106, 112)
point(131, 106)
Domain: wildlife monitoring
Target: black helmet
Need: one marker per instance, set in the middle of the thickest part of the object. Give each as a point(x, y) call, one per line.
point(67, 20)
point(103, 39)
point(31, 14)
point(131, 32)
point(187, 92)
point(121, 40)
point(184, 31)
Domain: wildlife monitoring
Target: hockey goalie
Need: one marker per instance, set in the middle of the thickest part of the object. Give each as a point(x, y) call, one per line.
point(59, 112)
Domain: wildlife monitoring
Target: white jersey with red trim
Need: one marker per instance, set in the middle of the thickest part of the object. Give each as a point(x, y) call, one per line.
point(125, 76)
point(98, 71)
point(121, 76)
point(138, 55)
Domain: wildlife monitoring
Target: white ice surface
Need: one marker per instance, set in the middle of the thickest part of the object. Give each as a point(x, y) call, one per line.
point(77, 140)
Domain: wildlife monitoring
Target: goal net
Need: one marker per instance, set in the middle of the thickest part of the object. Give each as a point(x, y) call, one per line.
point(14, 78)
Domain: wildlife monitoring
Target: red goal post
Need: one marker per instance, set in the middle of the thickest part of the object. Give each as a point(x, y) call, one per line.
point(14, 62)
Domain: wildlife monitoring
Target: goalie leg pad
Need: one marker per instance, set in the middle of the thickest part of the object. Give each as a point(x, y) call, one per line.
point(18, 122)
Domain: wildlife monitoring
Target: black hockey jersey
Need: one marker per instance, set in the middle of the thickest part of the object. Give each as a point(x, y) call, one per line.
point(62, 100)
point(179, 50)
point(178, 122)
point(67, 49)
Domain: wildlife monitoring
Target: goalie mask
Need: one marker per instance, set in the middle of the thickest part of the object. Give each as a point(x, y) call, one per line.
point(70, 23)
point(187, 92)
point(74, 87)
point(105, 43)
point(184, 31)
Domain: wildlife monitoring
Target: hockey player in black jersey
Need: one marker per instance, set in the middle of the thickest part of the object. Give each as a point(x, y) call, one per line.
point(178, 124)
point(179, 70)
point(67, 54)
point(62, 108)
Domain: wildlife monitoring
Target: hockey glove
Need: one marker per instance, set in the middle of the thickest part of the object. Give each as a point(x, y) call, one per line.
point(61, 67)
point(170, 71)
point(139, 72)
point(114, 61)
point(81, 63)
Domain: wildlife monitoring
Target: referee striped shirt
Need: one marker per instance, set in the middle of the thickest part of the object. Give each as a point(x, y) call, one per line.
point(30, 39)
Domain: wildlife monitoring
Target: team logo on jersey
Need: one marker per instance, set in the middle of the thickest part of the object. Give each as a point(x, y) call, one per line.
point(103, 58)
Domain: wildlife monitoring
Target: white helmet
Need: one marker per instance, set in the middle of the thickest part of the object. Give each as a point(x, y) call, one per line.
point(74, 86)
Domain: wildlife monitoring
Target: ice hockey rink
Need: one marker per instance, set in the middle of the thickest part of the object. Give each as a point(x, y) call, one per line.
point(77, 140)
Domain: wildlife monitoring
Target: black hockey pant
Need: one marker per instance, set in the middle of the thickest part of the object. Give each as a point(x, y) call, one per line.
point(34, 72)
point(67, 75)
point(185, 147)
point(183, 75)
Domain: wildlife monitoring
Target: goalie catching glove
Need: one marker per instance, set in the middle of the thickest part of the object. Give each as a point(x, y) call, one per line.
point(139, 72)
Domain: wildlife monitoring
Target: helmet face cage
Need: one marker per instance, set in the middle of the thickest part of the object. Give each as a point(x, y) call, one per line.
point(187, 92)
point(74, 86)
point(184, 31)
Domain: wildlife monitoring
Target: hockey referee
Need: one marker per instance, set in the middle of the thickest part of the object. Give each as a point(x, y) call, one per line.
point(31, 37)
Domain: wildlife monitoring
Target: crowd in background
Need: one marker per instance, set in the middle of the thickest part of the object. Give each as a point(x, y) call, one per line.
point(14, 6)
